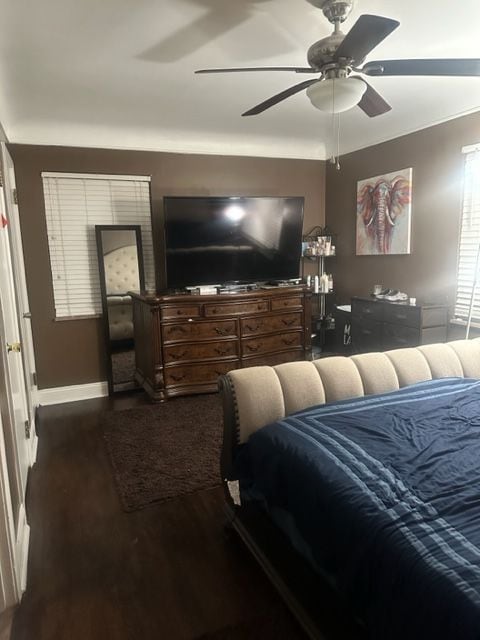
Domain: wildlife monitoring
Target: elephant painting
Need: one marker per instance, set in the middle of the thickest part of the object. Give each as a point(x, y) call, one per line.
point(384, 213)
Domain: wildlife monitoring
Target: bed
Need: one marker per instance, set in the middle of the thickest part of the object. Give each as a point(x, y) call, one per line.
point(359, 478)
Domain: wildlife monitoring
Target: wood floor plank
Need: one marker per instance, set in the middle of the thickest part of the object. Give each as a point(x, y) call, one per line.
point(6, 618)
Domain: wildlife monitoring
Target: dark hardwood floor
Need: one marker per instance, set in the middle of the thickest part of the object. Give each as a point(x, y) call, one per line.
point(96, 572)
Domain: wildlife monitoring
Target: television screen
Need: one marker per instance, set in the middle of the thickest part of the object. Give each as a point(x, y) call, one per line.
point(219, 240)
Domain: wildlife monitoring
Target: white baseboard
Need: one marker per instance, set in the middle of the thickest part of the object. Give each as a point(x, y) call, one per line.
point(59, 395)
point(21, 551)
point(24, 556)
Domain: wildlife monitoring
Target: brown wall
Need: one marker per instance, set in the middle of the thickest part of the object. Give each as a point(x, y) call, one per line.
point(429, 271)
point(72, 352)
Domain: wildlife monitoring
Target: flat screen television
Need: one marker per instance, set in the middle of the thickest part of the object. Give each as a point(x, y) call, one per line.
point(221, 240)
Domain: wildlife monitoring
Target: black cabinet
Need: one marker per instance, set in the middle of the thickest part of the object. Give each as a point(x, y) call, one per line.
point(378, 325)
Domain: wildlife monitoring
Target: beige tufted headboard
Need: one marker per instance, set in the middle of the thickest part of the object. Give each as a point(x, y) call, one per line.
point(121, 270)
point(258, 396)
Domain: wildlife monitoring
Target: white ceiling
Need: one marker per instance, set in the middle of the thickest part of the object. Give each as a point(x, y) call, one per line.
point(119, 73)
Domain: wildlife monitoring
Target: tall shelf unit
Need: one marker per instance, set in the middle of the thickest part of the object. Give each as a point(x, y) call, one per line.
point(318, 247)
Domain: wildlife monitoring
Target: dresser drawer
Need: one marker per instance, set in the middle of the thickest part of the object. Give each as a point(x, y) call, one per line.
point(365, 309)
point(197, 373)
point(275, 358)
point(267, 324)
point(199, 330)
point(181, 311)
point(292, 302)
point(434, 316)
point(267, 344)
point(200, 351)
point(403, 314)
point(236, 309)
point(429, 335)
point(367, 334)
point(396, 336)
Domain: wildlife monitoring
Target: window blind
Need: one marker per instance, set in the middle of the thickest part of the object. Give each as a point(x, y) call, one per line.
point(468, 269)
point(74, 204)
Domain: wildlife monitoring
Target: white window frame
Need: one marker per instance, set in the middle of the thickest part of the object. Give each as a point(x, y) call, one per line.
point(467, 298)
point(72, 210)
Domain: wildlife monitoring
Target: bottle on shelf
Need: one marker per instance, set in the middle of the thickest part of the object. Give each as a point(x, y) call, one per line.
point(315, 284)
point(324, 283)
point(330, 282)
point(329, 323)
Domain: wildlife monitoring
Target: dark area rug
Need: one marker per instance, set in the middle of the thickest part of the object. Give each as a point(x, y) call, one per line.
point(162, 451)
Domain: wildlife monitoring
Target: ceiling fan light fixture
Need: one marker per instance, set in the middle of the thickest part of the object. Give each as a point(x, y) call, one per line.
point(335, 95)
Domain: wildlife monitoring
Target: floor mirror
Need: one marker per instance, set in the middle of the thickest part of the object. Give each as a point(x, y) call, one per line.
point(120, 263)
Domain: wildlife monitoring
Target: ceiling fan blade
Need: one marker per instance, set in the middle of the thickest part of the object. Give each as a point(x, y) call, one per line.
point(372, 102)
point(365, 35)
point(263, 106)
point(241, 69)
point(438, 67)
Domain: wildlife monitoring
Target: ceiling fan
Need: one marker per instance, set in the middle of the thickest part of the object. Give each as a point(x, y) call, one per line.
point(337, 56)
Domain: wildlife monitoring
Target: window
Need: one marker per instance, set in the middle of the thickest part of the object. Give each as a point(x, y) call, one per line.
point(468, 271)
point(74, 204)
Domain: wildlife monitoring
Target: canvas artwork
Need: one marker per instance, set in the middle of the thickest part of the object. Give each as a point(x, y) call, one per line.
point(384, 211)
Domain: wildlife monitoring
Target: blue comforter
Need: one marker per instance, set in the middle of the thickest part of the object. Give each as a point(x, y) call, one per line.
point(382, 495)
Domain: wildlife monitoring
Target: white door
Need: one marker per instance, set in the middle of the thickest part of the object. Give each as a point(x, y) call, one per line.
point(15, 410)
point(23, 307)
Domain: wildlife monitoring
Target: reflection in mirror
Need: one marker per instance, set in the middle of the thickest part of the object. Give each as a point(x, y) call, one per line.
point(120, 263)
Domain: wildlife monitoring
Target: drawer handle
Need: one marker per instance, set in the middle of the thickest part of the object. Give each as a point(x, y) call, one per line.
point(178, 356)
point(288, 342)
point(401, 316)
point(366, 332)
point(286, 303)
point(218, 372)
point(250, 328)
point(222, 331)
point(221, 352)
point(177, 378)
point(252, 348)
point(288, 323)
point(214, 310)
point(259, 307)
point(179, 312)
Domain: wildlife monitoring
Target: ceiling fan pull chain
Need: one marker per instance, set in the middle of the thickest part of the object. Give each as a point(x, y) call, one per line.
point(333, 158)
point(337, 166)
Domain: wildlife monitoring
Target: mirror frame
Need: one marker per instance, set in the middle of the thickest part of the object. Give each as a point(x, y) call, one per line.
point(99, 228)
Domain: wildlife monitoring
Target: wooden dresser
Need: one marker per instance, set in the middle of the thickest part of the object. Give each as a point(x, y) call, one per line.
point(378, 325)
point(184, 342)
